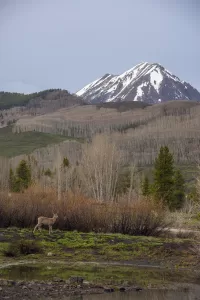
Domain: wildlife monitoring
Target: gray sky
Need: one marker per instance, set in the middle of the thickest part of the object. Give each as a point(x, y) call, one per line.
point(69, 43)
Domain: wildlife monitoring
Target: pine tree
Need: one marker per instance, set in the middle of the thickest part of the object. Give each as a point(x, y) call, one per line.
point(12, 180)
point(123, 183)
point(163, 176)
point(179, 191)
point(23, 174)
point(145, 187)
point(66, 162)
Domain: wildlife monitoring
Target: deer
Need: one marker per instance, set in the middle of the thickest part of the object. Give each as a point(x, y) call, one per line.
point(46, 221)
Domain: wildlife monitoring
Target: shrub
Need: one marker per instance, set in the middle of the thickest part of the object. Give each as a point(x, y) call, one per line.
point(143, 217)
point(136, 216)
point(27, 247)
point(11, 251)
point(48, 172)
point(23, 247)
point(66, 162)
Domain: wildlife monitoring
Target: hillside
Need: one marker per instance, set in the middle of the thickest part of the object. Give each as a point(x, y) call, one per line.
point(139, 131)
point(146, 82)
point(123, 106)
point(25, 142)
point(37, 100)
point(14, 106)
point(9, 100)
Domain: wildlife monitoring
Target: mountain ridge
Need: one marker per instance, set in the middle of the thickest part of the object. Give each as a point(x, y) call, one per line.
point(146, 82)
point(16, 105)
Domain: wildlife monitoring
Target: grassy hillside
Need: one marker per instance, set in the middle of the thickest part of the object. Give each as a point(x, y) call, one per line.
point(24, 143)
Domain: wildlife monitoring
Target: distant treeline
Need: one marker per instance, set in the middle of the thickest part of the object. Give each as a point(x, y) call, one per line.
point(8, 100)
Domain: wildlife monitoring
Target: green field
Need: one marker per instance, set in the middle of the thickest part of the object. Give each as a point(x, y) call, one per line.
point(13, 144)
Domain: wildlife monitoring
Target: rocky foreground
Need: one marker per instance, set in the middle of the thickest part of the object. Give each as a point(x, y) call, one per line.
point(56, 289)
point(73, 263)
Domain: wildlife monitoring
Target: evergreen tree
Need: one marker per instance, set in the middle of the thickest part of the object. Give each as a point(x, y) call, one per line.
point(66, 162)
point(179, 191)
point(193, 195)
point(23, 174)
point(145, 187)
point(123, 183)
point(163, 176)
point(12, 180)
point(48, 173)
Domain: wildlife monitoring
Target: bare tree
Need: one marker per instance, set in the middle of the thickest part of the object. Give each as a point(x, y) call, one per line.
point(59, 167)
point(100, 167)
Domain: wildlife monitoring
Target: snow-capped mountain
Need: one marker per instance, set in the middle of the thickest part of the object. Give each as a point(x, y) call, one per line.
point(147, 82)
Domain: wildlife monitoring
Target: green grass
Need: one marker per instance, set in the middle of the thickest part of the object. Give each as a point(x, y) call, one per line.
point(13, 144)
point(75, 247)
point(100, 258)
point(96, 274)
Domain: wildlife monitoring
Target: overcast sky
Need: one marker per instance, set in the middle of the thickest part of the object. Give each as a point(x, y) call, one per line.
point(69, 43)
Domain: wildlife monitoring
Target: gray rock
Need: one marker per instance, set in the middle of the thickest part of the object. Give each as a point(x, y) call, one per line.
point(108, 290)
point(24, 287)
point(76, 279)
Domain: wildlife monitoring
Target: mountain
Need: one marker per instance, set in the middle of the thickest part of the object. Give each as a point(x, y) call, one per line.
point(150, 83)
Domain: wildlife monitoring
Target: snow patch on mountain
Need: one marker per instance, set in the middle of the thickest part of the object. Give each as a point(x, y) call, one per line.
point(87, 87)
point(156, 79)
point(145, 82)
point(140, 91)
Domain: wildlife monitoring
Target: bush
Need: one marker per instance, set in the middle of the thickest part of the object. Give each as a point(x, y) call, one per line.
point(23, 247)
point(11, 251)
point(48, 172)
point(143, 217)
point(66, 162)
point(138, 217)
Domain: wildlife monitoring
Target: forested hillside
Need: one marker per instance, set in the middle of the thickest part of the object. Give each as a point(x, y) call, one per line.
point(14, 106)
point(8, 100)
point(139, 132)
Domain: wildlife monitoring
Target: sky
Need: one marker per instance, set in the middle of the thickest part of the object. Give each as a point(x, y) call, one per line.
point(69, 43)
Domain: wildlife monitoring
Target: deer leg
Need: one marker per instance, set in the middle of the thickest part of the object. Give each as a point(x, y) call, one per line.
point(35, 227)
point(50, 229)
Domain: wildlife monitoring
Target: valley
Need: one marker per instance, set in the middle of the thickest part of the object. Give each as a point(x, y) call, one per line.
point(99, 150)
point(95, 165)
